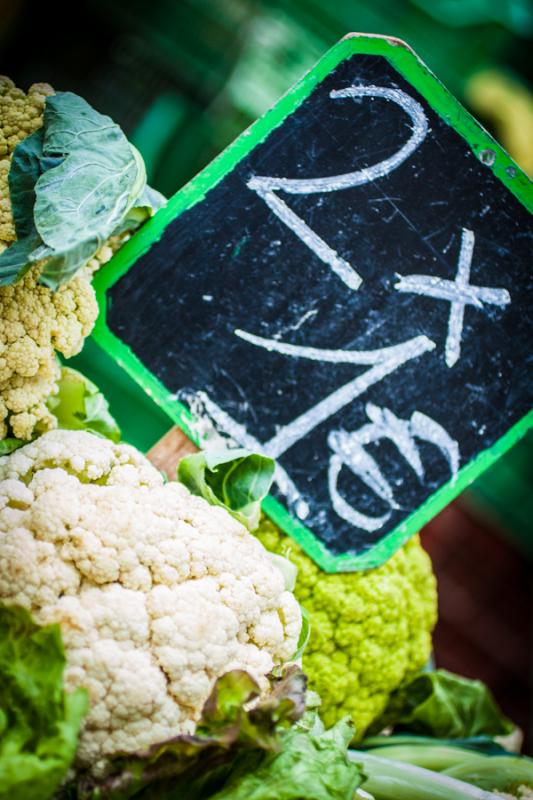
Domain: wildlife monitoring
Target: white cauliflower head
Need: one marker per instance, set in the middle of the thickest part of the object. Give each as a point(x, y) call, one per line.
point(157, 592)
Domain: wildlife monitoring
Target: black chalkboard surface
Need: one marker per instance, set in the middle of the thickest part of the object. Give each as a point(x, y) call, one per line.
point(346, 289)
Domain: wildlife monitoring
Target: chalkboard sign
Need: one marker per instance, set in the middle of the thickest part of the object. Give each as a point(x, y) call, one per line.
point(347, 289)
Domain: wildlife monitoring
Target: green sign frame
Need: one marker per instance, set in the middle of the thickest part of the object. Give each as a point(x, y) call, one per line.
point(407, 63)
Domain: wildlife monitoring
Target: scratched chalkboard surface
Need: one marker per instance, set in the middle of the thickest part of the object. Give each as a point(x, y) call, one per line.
point(354, 298)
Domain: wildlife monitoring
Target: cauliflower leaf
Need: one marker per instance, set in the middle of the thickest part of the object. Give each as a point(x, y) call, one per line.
point(73, 183)
point(39, 721)
point(16, 260)
point(235, 479)
point(88, 194)
point(8, 446)
point(27, 165)
point(237, 718)
point(312, 763)
point(439, 703)
point(60, 266)
point(79, 405)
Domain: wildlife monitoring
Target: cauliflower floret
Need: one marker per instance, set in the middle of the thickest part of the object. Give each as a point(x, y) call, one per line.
point(7, 224)
point(157, 592)
point(369, 630)
point(34, 323)
point(20, 115)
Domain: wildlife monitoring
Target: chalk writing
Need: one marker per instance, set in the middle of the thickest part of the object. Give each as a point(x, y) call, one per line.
point(376, 392)
point(349, 451)
point(458, 293)
point(266, 186)
point(385, 361)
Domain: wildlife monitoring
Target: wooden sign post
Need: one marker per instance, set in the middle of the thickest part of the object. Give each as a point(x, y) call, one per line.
point(347, 288)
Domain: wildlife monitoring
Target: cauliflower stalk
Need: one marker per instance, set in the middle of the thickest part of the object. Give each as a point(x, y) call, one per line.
point(370, 631)
point(157, 593)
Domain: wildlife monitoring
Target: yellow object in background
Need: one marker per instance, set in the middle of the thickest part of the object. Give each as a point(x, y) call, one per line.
point(507, 106)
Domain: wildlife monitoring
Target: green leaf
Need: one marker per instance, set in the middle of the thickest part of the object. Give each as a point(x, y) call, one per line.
point(80, 405)
point(73, 183)
point(445, 705)
point(94, 178)
point(61, 266)
point(27, 165)
point(150, 200)
point(15, 261)
point(8, 446)
point(312, 764)
point(39, 722)
point(146, 205)
point(305, 633)
point(24, 172)
point(287, 569)
point(194, 766)
point(235, 479)
point(90, 192)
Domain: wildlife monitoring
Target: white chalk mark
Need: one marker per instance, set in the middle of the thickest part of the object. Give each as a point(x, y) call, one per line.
point(385, 361)
point(296, 325)
point(291, 433)
point(312, 240)
point(241, 436)
point(368, 470)
point(348, 451)
point(423, 427)
point(343, 508)
point(303, 319)
point(459, 293)
point(399, 431)
point(266, 186)
point(365, 357)
point(367, 174)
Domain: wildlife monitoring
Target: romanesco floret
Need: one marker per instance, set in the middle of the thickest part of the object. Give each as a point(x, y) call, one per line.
point(369, 630)
point(157, 592)
point(34, 321)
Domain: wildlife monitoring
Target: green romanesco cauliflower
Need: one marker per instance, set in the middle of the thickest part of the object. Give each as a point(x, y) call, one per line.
point(369, 630)
point(34, 321)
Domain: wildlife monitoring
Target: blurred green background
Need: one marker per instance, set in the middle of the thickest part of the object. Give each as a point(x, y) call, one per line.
point(184, 77)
